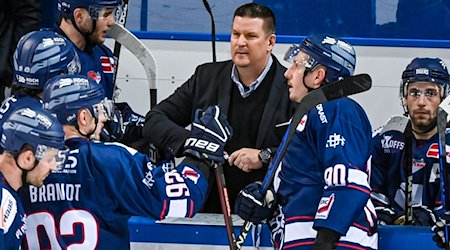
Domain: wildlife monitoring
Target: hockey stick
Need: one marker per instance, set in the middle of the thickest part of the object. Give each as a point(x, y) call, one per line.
point(407, 166)
point(218, 168)
point(225, 204)
point(442, 119)
point(213, 29)
point(142, 53)
point(345, 87)
point(121, 19)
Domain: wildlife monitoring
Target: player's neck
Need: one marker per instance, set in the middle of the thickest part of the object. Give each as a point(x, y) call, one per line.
point(11, 171)
point(75, 37)
point(424, 135)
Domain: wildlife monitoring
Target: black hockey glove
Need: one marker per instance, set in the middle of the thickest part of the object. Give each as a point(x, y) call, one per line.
point(385, 215)
point(326, 238)
point(252, 206)
point(439, 229)
point(209, 133)
point(132, 123)
point(422, 215)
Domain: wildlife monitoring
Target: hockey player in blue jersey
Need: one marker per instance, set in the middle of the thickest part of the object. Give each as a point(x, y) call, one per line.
point(85, 23)
point(87, 204)
point(424, 85)
point(39, 55)
point(322, 185)
point(32, 140)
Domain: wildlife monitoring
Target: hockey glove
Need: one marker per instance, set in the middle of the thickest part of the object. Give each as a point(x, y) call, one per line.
point(385, 215)
point(114, 128)
point(209, 133)
point(439, 229)
point(252, 206)
point(422, 215)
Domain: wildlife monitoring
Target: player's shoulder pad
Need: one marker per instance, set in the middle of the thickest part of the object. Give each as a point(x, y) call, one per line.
point(119, 145)
point(395, 123)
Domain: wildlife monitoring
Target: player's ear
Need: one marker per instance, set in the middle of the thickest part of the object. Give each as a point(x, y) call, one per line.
point(26, 159)
point(78, 15)
point(83, 117)
point(319, 76)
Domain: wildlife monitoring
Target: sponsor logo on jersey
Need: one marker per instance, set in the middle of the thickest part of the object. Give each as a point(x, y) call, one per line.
point(418, 165)
point(95, 76)
point(321, 113)
point(387, 143)
point(301, 125)
point(335, 140)
point(107, 64)
point(190, 174)
point(325, 205)
point(9, 209)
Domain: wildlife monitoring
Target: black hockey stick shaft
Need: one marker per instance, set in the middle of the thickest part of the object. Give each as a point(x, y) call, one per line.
point(225, 204)
point(443, 173)
point(220, 177)
point(121, 19)
point(345, 87)
point(407, 166)
point(213, 29)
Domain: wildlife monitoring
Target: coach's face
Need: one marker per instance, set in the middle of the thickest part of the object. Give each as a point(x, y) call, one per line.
point(250, 44)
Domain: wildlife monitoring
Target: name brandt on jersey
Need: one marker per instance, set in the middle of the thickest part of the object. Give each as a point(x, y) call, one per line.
point(55, 192)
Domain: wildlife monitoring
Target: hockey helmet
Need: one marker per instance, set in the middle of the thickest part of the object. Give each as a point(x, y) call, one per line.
point(40, 55)
point(94, 7)
point(432, 70)
point(37, 128)
point(65, 95)
point(335, 54)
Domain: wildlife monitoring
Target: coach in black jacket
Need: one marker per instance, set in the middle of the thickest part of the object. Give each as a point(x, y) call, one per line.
point(250, 89)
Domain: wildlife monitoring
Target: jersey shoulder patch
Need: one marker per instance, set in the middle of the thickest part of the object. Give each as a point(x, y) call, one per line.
point(395, 123)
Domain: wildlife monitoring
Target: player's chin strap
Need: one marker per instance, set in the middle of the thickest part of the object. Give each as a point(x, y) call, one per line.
point(25, 171)
point(88, 135)
point(85, 34)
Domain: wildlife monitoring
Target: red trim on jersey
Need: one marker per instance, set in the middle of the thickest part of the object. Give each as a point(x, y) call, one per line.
point(300, 217)
point(163, 210)
point(359, 188)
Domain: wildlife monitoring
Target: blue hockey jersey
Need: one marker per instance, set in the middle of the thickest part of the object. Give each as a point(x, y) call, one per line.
point(97, 62)
point(88, 203)
point(14, 102)
point(323, 180)
point(12, 226)
point(388, 175)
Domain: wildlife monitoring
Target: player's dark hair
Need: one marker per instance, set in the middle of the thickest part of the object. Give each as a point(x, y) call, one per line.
point(256, 10)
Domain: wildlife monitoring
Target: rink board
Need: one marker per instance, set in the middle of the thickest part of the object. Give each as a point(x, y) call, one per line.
point(207, 231)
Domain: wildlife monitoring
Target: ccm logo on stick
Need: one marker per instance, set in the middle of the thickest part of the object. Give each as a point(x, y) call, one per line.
point(198, 143)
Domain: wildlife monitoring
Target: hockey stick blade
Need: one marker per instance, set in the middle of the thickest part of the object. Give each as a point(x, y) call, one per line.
point(345, 87)
point(442, 120)
point(142, 53)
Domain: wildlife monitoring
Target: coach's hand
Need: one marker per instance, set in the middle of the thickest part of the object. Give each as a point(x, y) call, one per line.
point(209, 133)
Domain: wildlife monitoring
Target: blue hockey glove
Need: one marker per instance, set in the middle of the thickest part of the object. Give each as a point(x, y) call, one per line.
point(114, 128)
point(209, 133)
point(252, 206)
point(439, 229)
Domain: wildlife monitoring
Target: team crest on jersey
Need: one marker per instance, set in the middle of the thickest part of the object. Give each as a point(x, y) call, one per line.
point(94, 76)
point(107, 64)
point(335, 140)
point(325, 205)
point(190, 174)
point(301, 125)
